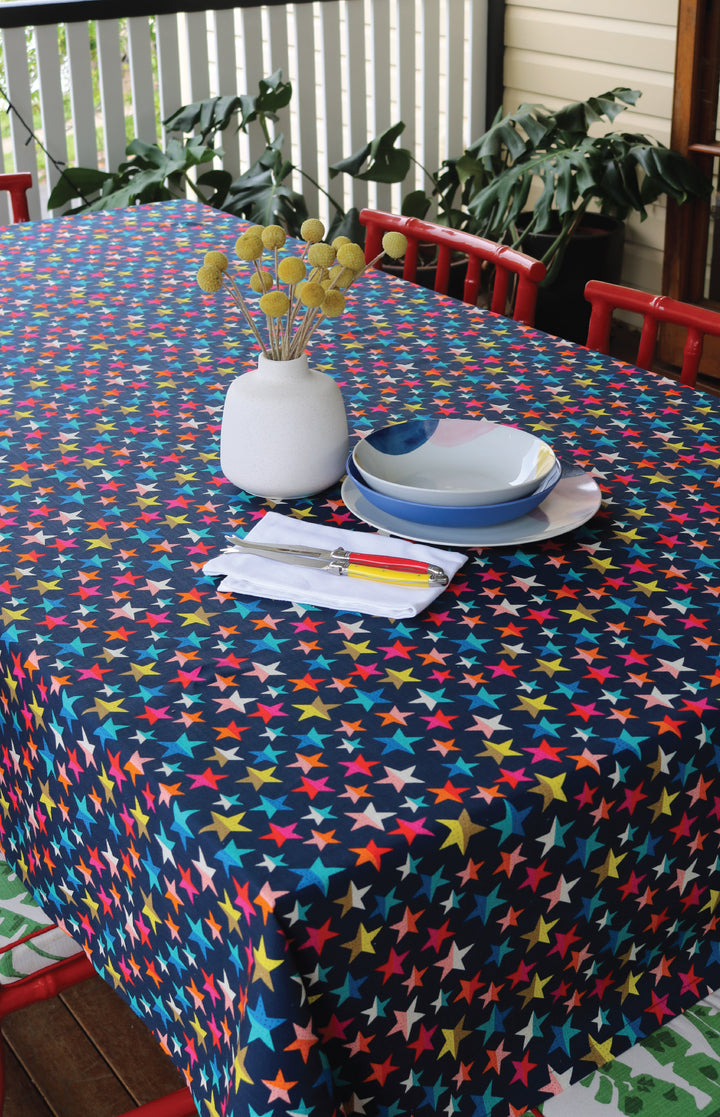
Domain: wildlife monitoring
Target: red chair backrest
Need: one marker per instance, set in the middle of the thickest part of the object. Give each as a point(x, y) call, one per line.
point(17, 186)
point(655, 309)
point(507, 261)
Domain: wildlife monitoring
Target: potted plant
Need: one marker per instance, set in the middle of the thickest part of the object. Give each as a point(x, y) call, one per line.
point(542, 181)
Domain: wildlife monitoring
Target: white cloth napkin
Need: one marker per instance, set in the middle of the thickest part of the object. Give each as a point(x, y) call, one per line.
point(261, 577)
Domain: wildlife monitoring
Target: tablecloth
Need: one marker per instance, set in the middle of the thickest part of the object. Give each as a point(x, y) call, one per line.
point(342, 864)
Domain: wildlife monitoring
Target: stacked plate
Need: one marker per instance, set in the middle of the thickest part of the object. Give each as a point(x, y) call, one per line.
point(459, 480)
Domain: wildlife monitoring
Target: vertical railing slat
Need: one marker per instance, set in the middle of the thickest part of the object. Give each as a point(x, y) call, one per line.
point(82, 99)
point(380, 62)
point(18, 78)
point(196, 45)
point(253, 69)
point(332, 117)
point(141, 78)
point(357, 91)
point(477, 93)
point(52, 110)
point(226, 77)
point(277, 30)
point(304, 96)
point(111, 91)
point(407, 81)
point(168, 59)
point(454, 86)
point(431, 83)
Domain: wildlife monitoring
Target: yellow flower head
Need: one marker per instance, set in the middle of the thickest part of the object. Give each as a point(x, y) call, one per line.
point(311, 294)
point(291, 270)
point(261, 281)
point(339, 241)
point(249, 246)
point(395, 245)
point(209, 279)
point(351, 256)
point(312, 230)
point(321, 255)
point(275, 304)
point(216, 260)
point(341, 277)
point(273, 236)
point(333, 304)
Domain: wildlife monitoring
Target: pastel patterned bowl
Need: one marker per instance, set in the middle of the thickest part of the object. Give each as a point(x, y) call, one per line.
point(456, 462)
point(468, 515)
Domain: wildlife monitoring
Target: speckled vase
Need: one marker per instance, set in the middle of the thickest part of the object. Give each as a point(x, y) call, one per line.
point(284, 430)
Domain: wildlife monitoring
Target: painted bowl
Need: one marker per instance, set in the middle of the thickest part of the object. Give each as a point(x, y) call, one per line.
point(468, 515)
point(456, 462)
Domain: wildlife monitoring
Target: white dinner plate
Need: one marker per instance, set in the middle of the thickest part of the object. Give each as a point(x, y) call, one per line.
point(574, 500)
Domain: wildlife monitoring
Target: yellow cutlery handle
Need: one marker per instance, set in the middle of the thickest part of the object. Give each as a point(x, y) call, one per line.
point(394, 577)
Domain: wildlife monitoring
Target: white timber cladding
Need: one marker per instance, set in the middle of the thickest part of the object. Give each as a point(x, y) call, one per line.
point(557, 51)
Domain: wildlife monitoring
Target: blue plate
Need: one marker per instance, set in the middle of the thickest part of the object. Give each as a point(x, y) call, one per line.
point(476, 515)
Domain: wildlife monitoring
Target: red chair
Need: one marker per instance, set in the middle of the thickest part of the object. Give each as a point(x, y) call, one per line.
point(17, 185)
point(37, 961)
point(655, 309)
point(507, 262)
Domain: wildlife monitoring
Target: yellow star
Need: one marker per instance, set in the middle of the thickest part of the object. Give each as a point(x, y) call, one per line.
point(264, 965)
point(46, 798)
point(102, 709)
point(258, 777)
point(137, 671)
point(241, 1075)
point(550, 787)
point(609, 867)
point(663, 804)
point(397, 678)
point(534, 706)
point(534, 989)
point(629, 986)
point(224, 826)
point(356, 650)
point(316, 709)
point(550, 666)
point(231, 913)
point(104, 541)
point(461, 830)
point(648, 588)
point(599, 1053)
point(362, 943)
point(580, 613)
point(198, 617)
point(141, 818)
point(499, 750)
point(453, 1038)
point(109, 784)
point(149, 910)
point(540, 934)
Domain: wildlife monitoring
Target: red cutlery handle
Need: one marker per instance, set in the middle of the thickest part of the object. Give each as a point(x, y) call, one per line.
point(390, 562)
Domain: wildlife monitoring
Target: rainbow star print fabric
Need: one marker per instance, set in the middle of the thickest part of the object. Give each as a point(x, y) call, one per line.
point(342, 864)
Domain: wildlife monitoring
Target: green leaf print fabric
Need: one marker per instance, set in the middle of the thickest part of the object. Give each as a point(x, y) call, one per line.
point(675, 1072)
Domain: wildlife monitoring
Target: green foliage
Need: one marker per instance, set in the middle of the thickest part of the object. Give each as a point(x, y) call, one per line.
point(618, 173)
point(262, 193)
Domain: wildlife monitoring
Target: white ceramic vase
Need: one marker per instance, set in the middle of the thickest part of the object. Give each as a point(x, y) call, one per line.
point(284, 430)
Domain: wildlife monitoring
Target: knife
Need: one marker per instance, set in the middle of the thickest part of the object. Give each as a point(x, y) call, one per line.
point(375, 568)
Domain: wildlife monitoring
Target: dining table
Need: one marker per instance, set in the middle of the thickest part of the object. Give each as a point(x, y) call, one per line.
point(342, 863)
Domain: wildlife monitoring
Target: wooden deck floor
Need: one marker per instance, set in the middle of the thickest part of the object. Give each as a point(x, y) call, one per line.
point(82, 1054)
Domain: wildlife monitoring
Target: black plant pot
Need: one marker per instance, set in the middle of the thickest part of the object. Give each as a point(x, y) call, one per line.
point(426, 268)
point(595, 251)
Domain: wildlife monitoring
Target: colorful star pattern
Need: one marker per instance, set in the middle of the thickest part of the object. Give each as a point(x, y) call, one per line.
point(342, 864)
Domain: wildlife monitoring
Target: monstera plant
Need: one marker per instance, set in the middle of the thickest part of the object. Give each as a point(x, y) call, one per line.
point(263, 193)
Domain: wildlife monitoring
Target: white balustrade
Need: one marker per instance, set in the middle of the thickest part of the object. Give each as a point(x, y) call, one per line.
point(356, 66)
